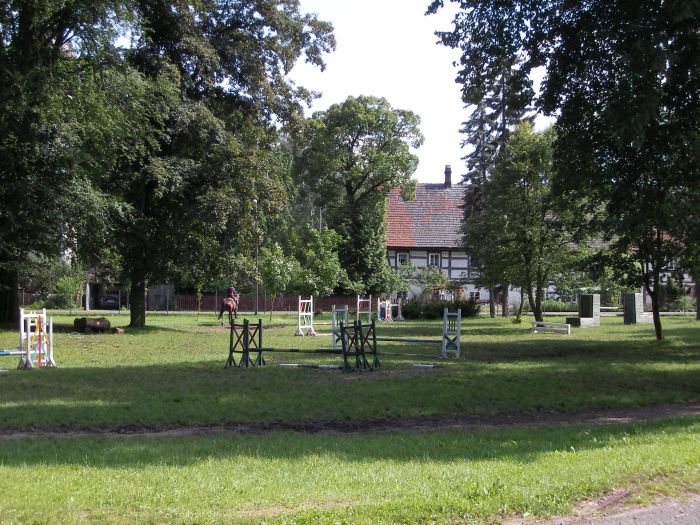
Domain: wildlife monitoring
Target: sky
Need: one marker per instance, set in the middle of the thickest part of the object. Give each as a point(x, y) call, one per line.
point(387, 48)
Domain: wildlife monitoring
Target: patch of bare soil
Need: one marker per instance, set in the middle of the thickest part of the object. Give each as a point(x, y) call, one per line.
point(614, 509)
point(387, 425)
point(383, 374)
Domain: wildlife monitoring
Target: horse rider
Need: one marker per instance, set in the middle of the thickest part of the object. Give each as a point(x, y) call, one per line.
point(231, 293)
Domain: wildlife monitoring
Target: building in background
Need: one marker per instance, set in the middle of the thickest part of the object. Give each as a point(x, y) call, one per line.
point(427, 231)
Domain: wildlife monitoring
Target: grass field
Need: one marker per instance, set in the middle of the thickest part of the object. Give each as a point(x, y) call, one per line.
point(171, 375)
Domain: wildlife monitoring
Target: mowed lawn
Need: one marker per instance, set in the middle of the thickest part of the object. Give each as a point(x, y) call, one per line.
point(171, 375)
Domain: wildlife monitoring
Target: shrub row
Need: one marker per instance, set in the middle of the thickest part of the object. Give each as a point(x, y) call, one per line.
point(415, 309)
point(552, 305)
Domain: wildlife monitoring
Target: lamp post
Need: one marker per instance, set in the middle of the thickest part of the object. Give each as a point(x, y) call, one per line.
point(257, 246)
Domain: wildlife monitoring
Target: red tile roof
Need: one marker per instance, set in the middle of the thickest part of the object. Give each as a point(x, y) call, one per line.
point(432, 220)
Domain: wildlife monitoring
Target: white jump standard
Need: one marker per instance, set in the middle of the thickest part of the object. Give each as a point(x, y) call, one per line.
point(35, 341)
point(364, 307)
point(338, 315)
point(384, 311)
point(399, 313)
point(305, 320)
point(451, 328)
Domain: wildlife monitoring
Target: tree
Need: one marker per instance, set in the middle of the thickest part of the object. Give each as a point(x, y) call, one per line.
point(188, 110)
point(499, 93)
point(529, 244)
point(427, 278)
point(623, 79)
point(212, 93)
point(354, 154)
point(320, 270)
point(44, 49)
point(276, 271)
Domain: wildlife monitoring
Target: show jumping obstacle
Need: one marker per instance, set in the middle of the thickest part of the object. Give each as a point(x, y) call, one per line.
point(451, 328)
point(359, 342)
point(35, 341)
point(305, 319)
point(245, 339)
point(450, 340)
point(338, 315)
point(364, 307)
point(385, 311)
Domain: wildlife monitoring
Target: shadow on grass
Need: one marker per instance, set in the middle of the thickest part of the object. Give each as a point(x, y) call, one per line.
point(203, 393)
point(514, 445)
point(611, 366)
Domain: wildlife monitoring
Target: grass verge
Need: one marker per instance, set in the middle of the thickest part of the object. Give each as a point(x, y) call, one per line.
point(447, 476)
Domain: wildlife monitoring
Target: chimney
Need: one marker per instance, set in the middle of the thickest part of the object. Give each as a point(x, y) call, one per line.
point(448, 176)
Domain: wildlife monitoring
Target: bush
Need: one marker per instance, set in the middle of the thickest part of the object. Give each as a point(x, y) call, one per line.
point(415, 309)
point(684, 303)
point(553, 305)
point(69, 291)
point(412, 309)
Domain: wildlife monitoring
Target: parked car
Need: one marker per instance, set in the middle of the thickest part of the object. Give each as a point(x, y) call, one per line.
point(109, 301)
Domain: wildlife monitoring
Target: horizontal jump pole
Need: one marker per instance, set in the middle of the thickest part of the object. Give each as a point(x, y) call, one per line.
point(298, 365)
point(299, 350)
point(11, 352)
point(404, 340)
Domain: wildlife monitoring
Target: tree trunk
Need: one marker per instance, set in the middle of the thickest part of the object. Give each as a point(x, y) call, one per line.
point(538, 305)
point(505, 307)
point(535, 305)
point(9, 302)
point(138, 299)
point(492, 303)
point(522, 302)
point(697, 299)
point(654, 295)
point(657, 317)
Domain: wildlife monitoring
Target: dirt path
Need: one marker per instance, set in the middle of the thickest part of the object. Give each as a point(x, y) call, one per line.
point(612, 509)
point(414, 424)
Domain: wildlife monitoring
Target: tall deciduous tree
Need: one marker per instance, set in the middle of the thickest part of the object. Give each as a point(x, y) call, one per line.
point(528, 243)
point(191, 107)
point(276, 271)
point(44, 47)
point(624, 80)
point(229, 62)
point(319, 271)
point(355, 152)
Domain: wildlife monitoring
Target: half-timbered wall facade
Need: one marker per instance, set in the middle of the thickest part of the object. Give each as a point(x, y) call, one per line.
point(427, 231)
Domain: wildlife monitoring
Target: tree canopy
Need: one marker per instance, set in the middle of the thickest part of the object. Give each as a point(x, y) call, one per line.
point(152, 152)
point(355, 153)
point(529, 243)
point(623, 79)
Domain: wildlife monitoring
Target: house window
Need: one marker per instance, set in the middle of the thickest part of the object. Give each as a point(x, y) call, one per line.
point(434, 259)
point(402, 258)
point(476, 296)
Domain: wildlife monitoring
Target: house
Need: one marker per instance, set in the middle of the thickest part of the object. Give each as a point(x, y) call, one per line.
point(428, 231)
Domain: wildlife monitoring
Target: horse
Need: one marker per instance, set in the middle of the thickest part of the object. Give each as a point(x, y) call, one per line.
point(230, 304)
